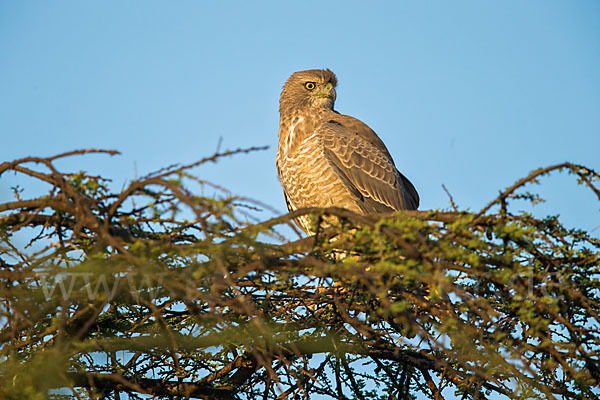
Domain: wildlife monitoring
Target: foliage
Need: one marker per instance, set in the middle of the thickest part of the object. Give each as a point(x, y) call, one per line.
point(156, 290)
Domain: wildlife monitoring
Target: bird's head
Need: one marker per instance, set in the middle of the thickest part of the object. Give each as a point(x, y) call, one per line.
point(305, 89)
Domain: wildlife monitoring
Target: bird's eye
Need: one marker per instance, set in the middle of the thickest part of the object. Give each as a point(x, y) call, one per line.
point(309, 85)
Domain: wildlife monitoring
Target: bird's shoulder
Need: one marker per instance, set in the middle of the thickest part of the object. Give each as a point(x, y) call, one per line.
point(354, 126)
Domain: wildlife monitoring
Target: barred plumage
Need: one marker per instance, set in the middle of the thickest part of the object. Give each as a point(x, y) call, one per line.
point(325, 158)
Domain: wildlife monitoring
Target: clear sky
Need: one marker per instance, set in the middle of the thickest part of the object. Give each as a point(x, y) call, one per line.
point(470, 94)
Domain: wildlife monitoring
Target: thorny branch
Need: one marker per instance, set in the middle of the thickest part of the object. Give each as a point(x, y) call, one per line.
point(155, 290)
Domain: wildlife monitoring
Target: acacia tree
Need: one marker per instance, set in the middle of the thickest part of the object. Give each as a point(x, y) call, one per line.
point(157, 290)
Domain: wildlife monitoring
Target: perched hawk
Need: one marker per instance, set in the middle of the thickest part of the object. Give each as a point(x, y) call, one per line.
point(325, 158)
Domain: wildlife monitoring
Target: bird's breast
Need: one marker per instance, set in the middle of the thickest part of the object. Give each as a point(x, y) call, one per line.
point(293, 131)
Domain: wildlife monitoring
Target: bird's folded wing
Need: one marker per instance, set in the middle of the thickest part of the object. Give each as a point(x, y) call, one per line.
point(368, 170)
point(411, 197)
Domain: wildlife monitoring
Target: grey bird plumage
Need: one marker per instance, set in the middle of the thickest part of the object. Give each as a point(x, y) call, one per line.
point(325, 158)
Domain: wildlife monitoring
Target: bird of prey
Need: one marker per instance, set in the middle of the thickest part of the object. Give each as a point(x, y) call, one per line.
point(325, 158)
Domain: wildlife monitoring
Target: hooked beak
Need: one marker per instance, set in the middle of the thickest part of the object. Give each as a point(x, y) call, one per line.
point(326, 91)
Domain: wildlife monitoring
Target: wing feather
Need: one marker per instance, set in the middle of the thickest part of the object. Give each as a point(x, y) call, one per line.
point(366, 170)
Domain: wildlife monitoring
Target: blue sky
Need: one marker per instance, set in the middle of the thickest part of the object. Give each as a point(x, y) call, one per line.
point(470, 94)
